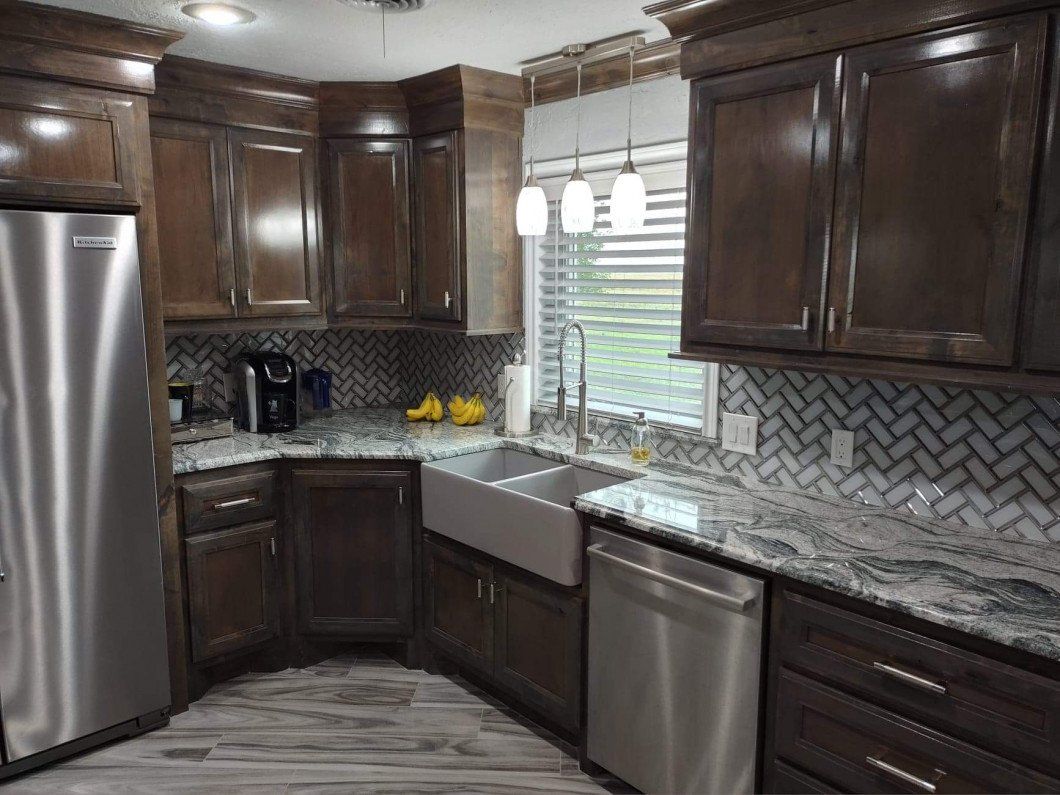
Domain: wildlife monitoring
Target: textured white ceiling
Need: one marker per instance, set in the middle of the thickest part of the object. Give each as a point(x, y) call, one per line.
point(327, 40)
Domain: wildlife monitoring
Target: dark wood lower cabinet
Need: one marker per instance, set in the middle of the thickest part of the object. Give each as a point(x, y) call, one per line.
point(537, 645)
point(521, 633)
point(458, 617)
point(353, 552)
point(233, 589)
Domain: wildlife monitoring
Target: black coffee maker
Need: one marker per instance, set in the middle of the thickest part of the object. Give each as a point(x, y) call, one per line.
point(266, 392)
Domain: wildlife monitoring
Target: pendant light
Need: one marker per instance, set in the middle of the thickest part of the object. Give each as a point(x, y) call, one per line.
point(629, 199)
point(531, 210)
point(578, 206)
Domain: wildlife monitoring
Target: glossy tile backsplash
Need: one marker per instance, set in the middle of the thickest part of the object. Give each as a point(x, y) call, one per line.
point(986, 459)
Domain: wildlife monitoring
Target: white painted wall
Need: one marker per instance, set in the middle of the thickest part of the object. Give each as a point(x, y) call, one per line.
point(660, 115)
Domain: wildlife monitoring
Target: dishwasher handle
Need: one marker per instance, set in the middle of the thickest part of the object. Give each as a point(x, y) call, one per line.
point(730, 602)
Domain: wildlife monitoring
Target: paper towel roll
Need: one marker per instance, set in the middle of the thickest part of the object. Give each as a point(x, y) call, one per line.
point(517, 391)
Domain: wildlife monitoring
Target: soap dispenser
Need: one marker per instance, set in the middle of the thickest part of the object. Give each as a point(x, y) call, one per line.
point(640, 448)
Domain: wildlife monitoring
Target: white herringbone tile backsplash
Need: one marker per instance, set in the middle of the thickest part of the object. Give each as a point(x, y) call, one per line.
point(986, 459)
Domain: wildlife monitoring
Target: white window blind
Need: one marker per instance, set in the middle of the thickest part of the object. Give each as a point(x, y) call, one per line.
point(625, 288)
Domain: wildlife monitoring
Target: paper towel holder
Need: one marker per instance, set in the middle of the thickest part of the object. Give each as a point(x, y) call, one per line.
point(505, 429)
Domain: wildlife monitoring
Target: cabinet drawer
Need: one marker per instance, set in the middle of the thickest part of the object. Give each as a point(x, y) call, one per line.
point(863, 748)
point(229, 501)
point(782, 779)
point(1005, 709)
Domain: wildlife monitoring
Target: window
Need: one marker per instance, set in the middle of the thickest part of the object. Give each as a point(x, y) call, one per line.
point(625, 288)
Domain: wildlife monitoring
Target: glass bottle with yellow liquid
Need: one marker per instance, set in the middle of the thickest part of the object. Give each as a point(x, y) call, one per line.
point(640, 448)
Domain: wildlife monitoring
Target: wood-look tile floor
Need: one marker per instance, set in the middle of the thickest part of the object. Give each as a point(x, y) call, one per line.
point(351, 724)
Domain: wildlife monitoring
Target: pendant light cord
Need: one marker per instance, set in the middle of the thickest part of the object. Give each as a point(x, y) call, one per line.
point(629, 119)
point(533, 122)
point(578, 123)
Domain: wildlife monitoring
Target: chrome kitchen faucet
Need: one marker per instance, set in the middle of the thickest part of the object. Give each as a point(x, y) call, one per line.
point(584, 441)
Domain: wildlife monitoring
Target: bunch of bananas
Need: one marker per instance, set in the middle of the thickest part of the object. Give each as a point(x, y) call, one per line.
point(429, 409)
point(470, 412)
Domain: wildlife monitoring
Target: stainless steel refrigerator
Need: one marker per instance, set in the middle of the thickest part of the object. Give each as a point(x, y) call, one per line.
point(82, 629)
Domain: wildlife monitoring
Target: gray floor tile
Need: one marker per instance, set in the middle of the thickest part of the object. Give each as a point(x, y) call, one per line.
point(451, 691)
point(401, 780)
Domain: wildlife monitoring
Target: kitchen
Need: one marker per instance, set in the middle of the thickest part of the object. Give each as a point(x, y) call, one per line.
point(412, 395)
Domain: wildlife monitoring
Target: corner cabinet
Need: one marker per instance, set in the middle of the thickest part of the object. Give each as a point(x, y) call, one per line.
point(867, 212)
point(371, 250)
point(353, 552)
point(522, 633)
point(237, 218)
point(436, 161)
point(468, 258)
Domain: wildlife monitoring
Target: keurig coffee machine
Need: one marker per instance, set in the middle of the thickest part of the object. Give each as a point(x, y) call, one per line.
point(266, 392)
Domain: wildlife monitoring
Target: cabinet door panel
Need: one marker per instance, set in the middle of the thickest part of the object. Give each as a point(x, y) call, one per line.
point(194, 212)
point(371, 256)
point(353, 546)
point(275, 207)
point(934, 175)
point(761, 182)
point(232, 589)
point(436, 167)
point(459, 617)
point(1041, 346)
point(66, 144)
point(537, 646)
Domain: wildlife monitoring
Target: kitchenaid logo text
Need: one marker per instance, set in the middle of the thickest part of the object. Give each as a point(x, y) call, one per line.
point(95, 242)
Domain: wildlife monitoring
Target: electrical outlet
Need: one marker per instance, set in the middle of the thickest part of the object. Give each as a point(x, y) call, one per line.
point(739, 433)
point(843, 448)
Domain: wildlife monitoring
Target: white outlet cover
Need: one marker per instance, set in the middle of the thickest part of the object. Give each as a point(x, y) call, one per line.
point(842, 453)
point(739, 433)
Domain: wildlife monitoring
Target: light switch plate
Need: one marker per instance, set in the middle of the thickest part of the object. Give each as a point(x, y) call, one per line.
point(842, 448)
point(739, 433)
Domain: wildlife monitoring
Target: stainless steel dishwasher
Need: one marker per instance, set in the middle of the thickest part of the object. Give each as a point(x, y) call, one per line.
point(675, 668)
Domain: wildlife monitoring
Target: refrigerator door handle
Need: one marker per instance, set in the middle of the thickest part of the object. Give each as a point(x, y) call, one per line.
point(3, 574)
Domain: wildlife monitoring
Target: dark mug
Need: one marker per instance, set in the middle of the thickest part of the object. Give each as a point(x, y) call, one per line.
point(318, 383)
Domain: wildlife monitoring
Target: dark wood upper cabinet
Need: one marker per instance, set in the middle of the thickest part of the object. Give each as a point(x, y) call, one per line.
point(760, 205)
point(232, 589)
point(458, 617)
point(66, 145)
point(934, 178)
point(275, 212)
point(370, 228)
point(194, 213)
point(1041, 348)
point(436, 170)
point(353, 552)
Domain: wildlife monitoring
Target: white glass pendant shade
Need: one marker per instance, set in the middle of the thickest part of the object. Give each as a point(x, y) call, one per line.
point(577, 207)
point(629, 199)
point(531, 209)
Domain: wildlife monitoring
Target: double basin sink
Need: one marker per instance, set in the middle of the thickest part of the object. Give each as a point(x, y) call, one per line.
point(514, 506)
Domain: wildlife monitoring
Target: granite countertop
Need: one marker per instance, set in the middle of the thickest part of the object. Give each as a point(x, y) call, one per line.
point(976, 581)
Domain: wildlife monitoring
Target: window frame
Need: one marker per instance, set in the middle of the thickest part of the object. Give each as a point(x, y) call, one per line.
point(600, 170)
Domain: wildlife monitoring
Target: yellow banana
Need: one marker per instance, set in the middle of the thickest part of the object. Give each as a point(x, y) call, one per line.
point(481, 415)
point(436, 412)
point(417, 414)
point(457, 404)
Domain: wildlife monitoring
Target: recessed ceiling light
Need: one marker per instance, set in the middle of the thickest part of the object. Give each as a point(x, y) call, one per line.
point(219, 13)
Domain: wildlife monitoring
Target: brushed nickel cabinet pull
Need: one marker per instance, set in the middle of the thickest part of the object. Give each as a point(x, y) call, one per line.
point(805, 318)
point(232, 296)
point(250, 298)
point(402, 297)
point(494, 590)
point(831, 320)
point(272, 546)
point(479, 587)
point(908, 678)
point(401, 495)
point(900, 774)
point(220, 506)
point(448, 299)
